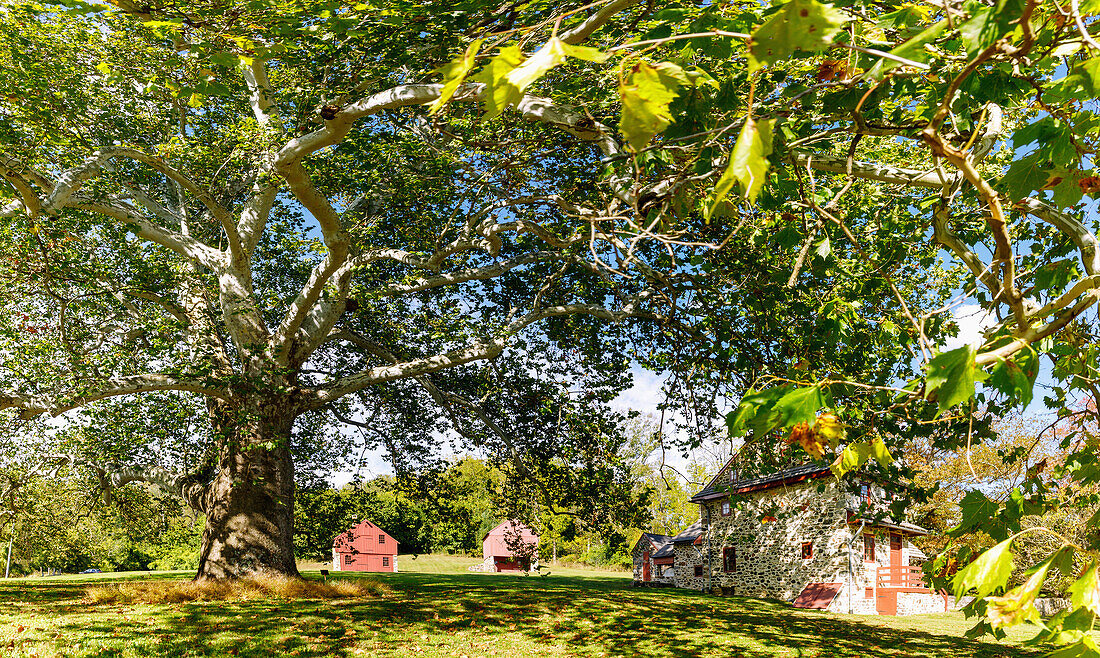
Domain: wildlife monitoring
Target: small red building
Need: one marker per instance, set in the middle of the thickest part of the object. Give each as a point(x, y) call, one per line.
point(364, 547)
point(502, 558)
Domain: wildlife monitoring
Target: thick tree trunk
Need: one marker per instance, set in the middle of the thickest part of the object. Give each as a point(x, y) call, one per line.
point(249, 502)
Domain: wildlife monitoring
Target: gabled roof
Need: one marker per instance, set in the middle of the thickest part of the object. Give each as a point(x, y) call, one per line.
point(665, 551)
point(716, 489)
point(513, 526)
point(655, 540)
point(360, 538)
point(690, 534)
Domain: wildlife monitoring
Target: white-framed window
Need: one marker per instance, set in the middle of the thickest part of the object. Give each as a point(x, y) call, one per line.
point(725, 508)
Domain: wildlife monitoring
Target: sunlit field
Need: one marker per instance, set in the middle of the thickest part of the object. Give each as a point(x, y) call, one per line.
point(436, 607)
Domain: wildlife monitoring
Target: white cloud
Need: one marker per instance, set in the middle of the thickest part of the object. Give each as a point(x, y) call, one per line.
point(972, 321)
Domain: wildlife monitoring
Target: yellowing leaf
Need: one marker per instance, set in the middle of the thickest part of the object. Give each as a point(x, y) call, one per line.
point(1018, 604)
point(852, 458)
point(646, 92)
point(831, 429)
point(550, 55)
point(881, 453)
point(508, 74)
point(454, 73)
point(799, 25)
point(748, 163)
point(585, 52)
point(990, 571)
point(1085, 591)
point(499, 91)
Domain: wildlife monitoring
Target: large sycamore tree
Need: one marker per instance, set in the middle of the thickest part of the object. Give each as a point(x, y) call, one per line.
point(230, 200)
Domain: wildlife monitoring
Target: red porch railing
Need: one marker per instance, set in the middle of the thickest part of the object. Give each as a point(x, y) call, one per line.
point(902, 577)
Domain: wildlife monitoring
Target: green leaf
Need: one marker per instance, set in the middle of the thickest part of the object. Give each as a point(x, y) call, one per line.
point(800, 406)
point(499, 91)
point(799, 25)
point(990, 571)
point(881, 453)
point(978, 511)
point(454, 73)
point(913, 50)
point(1025, 175)
point(738, 420)
point(986, 26)
point(853, 456)
point(1085, 648)
point(104, 68)
point(951, 376)
point(646, 92)
point(748, 163)
point(1016, 378)
point(1085, 591)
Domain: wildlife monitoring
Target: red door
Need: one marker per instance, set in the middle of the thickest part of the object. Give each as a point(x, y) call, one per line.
point(645, 567)
point(887, 601)
point(895, 550)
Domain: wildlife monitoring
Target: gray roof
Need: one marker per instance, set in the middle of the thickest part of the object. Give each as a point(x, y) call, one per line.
point(665, 551)
point(658, 541)
point(716, 489)
point(690, 534)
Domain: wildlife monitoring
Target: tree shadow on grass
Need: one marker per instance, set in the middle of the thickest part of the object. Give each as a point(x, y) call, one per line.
point(436, 614)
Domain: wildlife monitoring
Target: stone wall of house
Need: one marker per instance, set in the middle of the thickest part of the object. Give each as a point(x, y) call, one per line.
point(688, 557)
point(639, 550)
point(767, 530)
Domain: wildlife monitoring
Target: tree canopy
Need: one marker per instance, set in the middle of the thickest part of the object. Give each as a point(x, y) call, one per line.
point(290, 207)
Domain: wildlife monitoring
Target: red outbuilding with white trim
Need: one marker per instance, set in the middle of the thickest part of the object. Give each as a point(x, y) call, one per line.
point(364, 547)
point(499, 554)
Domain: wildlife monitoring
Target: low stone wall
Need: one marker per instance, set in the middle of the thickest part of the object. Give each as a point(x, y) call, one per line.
point(485, 565)
point(918, 603)
point(1051, 607)
point(858, 604)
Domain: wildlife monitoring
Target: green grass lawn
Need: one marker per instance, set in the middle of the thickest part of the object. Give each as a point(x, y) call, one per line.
point(435, 607)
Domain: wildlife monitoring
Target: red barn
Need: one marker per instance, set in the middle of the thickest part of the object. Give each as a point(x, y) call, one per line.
point(364, 547)
point(497, 553)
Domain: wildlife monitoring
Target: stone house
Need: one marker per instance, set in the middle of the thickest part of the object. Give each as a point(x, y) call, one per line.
point(653, 560)
point(799, 535)
point(656, 556)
